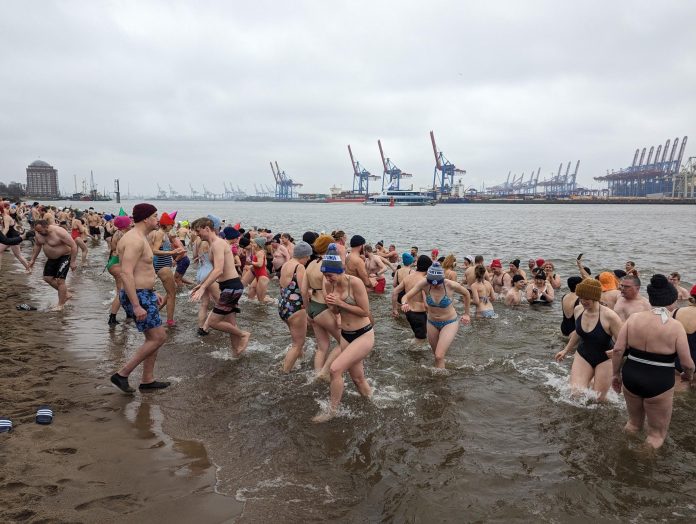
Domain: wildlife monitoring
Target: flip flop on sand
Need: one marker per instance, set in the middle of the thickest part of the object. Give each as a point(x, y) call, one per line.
point(5, 425)
point(44, 415)
point(25, 307)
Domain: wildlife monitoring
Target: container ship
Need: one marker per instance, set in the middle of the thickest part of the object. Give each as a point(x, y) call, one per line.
point(339, 196)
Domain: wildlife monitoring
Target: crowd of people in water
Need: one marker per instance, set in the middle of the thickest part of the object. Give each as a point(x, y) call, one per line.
point(642, 347)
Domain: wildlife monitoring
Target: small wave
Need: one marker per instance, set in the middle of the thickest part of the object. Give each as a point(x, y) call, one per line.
point(265, 488)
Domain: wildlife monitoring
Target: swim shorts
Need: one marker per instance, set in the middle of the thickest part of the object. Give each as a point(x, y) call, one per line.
point(57, 267)
point(148, 301)
point(418, 322)
point(182, 265)
point(94, 231)
point(230, 292)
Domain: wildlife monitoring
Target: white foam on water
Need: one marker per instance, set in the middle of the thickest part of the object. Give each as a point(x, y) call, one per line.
point(390, 396)
point(175, 380)
point(556, 377)
point(267, 488)
point(343, 411)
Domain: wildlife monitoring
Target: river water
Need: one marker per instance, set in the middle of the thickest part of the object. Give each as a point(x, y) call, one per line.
point(497, 437)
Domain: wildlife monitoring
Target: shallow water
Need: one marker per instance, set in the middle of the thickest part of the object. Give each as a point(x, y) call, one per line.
point(496, 437)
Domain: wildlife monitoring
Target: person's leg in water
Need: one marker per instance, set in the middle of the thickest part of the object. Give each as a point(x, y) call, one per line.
point(167, 279)
point(297, 323)
point(262, 289)
point(18, 255)
point(327, 321)
point(146, 354)
point(228, 324)
point(444, 341)
point(581, 373)
point(658, 414)
point(83, 247)
point(635, 410)
point(115, 272)
point(63, 295)
point(351, 354)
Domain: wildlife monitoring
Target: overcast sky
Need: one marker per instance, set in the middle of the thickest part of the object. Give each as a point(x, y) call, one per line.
point(205, 92)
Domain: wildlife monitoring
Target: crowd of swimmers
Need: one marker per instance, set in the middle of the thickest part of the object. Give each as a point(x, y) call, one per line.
point(643, 348)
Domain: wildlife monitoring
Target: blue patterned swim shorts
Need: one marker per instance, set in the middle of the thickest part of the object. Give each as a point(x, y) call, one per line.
point(148, 301)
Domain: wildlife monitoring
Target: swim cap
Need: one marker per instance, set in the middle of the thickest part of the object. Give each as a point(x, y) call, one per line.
point(435, 252)
point(302, 249)
point(539, 262)
point(321, 244)
point(661, 292)
point(260, 241)
point(436, 275)
point(470, 258)
point(589, 289)
point(356, 241)
point(540, 274)
point(423, 263)
point(216, 221)
point(407, 259)
point(608, 281)
point(331, 262)
point(230, 233)
point(108, 218)
point(166, 220)
point(496, 263)
point(141, 212)
point(122, 222)
point(517, 278)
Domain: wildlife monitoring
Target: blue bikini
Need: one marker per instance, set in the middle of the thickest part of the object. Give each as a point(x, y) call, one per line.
point(445, 302)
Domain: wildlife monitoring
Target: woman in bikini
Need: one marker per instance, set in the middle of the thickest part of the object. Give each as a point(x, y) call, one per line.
point(595, 327)
point(291, 306)
point(348, 295)
point(323, 321)
point(482, 294)
point(443, 320)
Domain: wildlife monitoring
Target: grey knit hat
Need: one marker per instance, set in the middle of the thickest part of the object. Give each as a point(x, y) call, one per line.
point(302, 249)
point(436, 275)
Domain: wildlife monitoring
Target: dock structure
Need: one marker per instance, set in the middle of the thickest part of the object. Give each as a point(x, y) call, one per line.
point(443, 174)
point(560, 185)
point(284, 186)
point(657, 175)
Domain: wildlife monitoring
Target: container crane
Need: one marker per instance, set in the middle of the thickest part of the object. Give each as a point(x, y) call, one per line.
point(161, 194)
point(284, 189)
point(360, 175)
point(392, 175)
point(443, 174)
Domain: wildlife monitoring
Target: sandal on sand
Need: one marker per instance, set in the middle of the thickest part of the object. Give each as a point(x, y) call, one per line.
point(5, 425)
point(25, 307)
point(44, 415)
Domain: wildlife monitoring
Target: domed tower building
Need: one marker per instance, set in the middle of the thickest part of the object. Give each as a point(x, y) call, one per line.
point(42, 180)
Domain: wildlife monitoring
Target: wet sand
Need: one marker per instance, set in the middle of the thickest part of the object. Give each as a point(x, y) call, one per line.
point(105, 457)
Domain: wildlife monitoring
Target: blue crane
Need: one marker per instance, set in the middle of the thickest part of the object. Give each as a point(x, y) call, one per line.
point(284, 188)
point(361, 176)
point(443, 174)
point(392, 175)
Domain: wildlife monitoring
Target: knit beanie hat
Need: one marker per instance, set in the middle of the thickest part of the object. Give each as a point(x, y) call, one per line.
point(230, 233)
point(260, 241)
point(321, 244)
point(356, 241)
point(573, 283)
point(302, 249)
point(516, 263)
point(143, 211)
point(661, 292)
point(122, 222)
point(331, 262)
point(166, 220)
point(436, 275)
point(589, 289)
point(608, 281)
point(423, 263)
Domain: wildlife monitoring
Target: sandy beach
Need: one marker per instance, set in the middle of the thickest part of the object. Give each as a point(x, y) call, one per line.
point(105, 457)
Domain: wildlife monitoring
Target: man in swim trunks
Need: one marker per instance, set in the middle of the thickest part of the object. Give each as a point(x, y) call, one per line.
point(139, 299)
point(224, 314)
point(675, 280)
point(61, 251)
point(355, 262)
point(93, 222)
point(501, 281)
point(417, 316)
point(630, 300)
point(375, 269)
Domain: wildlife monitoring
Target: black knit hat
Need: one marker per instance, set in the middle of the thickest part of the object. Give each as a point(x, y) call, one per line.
point(661, 292)
point(356, 241)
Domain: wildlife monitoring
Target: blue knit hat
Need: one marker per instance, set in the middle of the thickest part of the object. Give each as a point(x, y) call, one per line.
point(331, 262)
point(407, 259)
point(436, 275)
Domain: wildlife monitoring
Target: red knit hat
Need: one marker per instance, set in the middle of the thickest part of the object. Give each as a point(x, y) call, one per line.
point(166, 220)
point(539, 262)
point(496, 263)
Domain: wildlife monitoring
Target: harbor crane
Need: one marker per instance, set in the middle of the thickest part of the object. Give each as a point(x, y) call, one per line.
point(443, 174)
point(193, 192)
point(284, 187)
point(361, 176)
point(392, 175)
point(161, 194)
point(172, 193)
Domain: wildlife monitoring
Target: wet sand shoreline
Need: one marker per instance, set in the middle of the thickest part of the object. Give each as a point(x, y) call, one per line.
point(105, 457)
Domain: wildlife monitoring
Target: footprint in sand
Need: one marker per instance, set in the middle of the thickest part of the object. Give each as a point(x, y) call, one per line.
point(61, 451)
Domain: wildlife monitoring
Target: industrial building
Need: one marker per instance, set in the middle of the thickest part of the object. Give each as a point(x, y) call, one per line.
point(656, 176)
point(42, 180)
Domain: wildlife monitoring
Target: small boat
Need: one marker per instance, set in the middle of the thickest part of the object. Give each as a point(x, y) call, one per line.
point(401, 197)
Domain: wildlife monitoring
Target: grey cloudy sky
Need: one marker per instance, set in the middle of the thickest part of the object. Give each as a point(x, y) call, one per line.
point(201, 92)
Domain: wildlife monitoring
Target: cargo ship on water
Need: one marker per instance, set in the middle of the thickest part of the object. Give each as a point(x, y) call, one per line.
point(339, 196)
